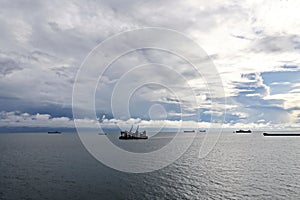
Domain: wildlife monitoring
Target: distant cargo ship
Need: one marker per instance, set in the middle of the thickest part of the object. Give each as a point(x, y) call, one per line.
point(243, 131)
point(202, 131)
point(281, 134)
point(54, 132)
point(129, 135)
point(192, 131)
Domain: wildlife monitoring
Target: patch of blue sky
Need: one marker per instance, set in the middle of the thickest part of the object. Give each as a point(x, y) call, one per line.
point(281, 82)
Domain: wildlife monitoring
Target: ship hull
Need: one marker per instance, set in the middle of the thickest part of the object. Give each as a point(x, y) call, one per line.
point(133, 138)
point(242, 131)
point(281, 134)
point(54, 132)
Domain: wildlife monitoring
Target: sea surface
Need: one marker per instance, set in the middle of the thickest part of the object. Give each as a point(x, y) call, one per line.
point(240, 166)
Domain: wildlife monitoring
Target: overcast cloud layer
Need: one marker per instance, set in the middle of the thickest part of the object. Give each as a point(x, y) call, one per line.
point(255, 46)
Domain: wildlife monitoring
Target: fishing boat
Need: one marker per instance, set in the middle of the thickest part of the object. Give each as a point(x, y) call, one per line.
point(129, 135)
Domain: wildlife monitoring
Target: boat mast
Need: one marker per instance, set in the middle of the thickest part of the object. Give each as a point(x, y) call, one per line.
point(137, 131)
point(131, 128)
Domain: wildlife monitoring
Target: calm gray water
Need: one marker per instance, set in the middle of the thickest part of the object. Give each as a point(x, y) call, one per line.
point(42, 166)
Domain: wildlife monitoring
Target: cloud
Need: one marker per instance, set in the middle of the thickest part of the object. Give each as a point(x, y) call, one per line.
point(8, 66)
point(271, 44)
point(254, 45)
point(17, 119)
point(25, 120)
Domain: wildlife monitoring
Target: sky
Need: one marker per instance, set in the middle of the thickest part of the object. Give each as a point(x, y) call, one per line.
point(254, 45)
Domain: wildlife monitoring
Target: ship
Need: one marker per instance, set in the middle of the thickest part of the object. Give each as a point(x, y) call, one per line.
point(129, 135)
point(202, 131)
point(54, 132)
point(192, 131)
point(243, 131)
point(281, 134)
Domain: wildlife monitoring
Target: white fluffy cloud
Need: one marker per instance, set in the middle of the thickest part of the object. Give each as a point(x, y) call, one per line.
point(17, 119)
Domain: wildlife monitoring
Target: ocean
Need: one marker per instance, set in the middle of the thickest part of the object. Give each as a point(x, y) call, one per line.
point(240, 166)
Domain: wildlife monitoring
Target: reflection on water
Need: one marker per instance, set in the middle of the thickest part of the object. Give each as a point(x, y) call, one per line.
point(42, 166)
